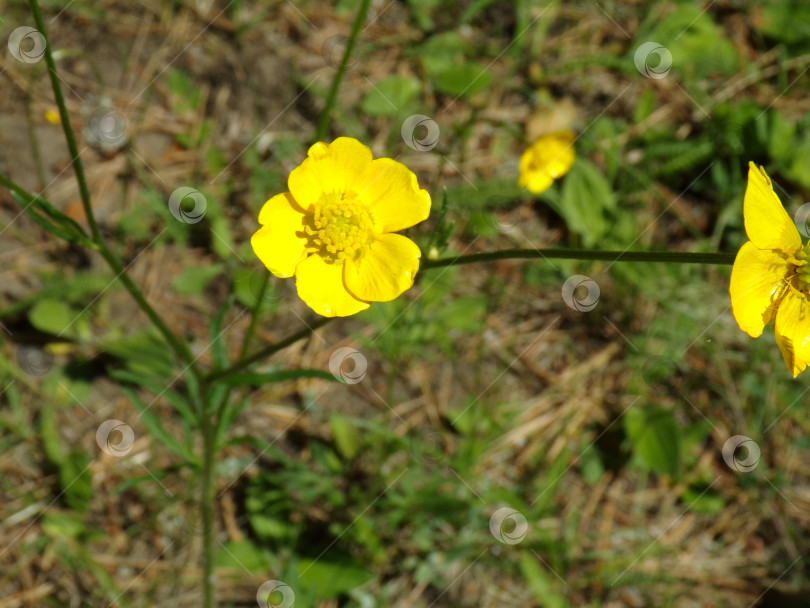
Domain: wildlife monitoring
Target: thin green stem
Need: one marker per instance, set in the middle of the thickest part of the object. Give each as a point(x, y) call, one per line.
point(359, 20)
point(180, 348)
point(70, 136)
point(269, 350)
point(254, 315)
point(675, 257)
point(207, 500)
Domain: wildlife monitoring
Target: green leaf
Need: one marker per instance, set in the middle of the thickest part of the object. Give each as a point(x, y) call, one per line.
point(57, 318)
point(466, 79)
point(194, 280)
point(785, 21)
point(75, 477)
point(655, 435)
point(50, 219)
point(144, 353)
point(219, 346)
point(703, 502)
point(541, 582)
point(260, 379)
point(160, 391)
point(329, 579)
point(586, 196)
point(62, 524)
point(243, 555)
point(697, 45)
point(346, 436)
point(466, 313)
point(154, 425)
point(391, 96)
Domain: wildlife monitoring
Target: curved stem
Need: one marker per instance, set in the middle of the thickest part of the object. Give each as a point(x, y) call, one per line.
point(675, 257)
point(180, 348)
point(359, 20)
point(269, 350)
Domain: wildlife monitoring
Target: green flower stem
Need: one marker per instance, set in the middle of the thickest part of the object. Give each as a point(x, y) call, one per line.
point(180, 348)
point(254, 315)
point(359, 20)
point(673, 257)
point(269, 350)
point(207, 500)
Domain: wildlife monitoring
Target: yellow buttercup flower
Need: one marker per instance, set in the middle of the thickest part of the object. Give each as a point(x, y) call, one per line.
point(334, 229)
point(770, 279)
point(548, 158)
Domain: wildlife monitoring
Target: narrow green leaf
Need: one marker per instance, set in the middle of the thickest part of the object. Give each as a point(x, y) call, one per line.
point(260, 379)
point(219, 346)
point(155, 427)
point(177, 401)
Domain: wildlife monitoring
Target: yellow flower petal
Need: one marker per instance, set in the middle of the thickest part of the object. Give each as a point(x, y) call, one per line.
point(766, 222)
point(792, 329)
point(320, 285)
point(329, 168)
point(385, 271)
point(393, 196)
point(548, 158)
point(757, 284)
point(277, 243)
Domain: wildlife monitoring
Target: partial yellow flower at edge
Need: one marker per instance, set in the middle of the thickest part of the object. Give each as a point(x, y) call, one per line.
point(334, 230)
point(548, 158)
point(770, 279)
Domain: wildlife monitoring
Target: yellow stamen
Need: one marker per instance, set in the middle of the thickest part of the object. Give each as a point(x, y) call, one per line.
point(339, 227)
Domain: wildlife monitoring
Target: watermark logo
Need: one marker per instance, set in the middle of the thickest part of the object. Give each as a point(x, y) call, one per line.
point(34, 361)
point(106, 129)
point(333, 50)
point(580, 293)
point(653, 60)
point(275, 594)
point(508, 525)
point(732, 453)
point(420, 132)
point(348, 365)
point(187, 216)
point(802, 220)
point(26, 44)
point(115, 438)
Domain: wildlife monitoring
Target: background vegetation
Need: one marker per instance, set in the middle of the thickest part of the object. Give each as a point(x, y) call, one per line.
point(603, 429)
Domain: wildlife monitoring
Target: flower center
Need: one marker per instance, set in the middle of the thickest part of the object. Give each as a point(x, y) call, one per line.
point(800, 262)
point(339, 227)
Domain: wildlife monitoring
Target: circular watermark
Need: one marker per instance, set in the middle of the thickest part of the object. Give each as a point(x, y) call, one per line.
point(730, 455)
point(187, 216)
point(115, 438)
point(275, 594)
point(420, 132)
point(506, 221)
point(106, 129)
point(430, 448)
point(348, 365)
point(26, 44)
point(187, 519)
point(802, 220)
point(659, 67)
point(33, 360)
point(333, 50)
point(255, 283)
point(508, 533)
point(580, 293)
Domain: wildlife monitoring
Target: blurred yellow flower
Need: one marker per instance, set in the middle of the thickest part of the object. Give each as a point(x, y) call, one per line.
point(770, 279)
point(548, 158)
point(334, 229)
